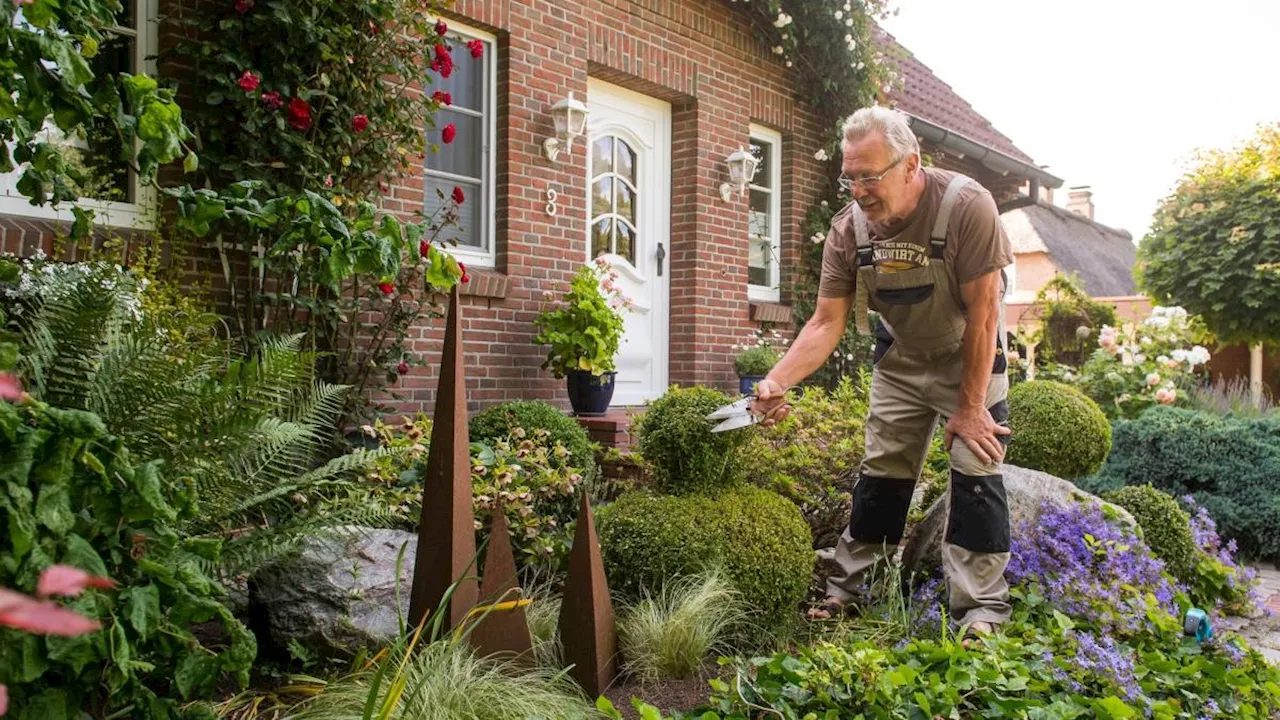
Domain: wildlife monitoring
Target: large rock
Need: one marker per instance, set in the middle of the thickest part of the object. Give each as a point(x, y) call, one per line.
point(1026, 491)
point(336, 594)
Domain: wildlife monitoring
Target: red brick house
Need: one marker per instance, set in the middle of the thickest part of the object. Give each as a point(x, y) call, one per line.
point(673, 88)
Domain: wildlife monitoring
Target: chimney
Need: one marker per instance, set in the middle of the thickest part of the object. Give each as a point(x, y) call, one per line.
point(1080, 201)
point(1046, 195)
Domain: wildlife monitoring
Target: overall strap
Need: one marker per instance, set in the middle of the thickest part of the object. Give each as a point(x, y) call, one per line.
point(865, 270)
point(938, 239)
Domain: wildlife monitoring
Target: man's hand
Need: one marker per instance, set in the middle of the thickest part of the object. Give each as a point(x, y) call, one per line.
point(978, 430)
point(771, 402)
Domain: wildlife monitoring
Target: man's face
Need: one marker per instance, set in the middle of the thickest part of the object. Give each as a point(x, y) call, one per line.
point(890, 197)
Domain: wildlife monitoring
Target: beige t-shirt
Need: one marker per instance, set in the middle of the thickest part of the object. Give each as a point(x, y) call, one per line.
point(976, 241)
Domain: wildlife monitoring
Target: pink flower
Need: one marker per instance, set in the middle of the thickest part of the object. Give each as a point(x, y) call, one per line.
point(442, 98)
point(40, 616)
point(272, 100)
point(10, 387)
point(601, 262)
point(328, 181)
point(248, 81)
point(449, 133)
point(360, 123)
point(69, 581)
point(1166, 396)
point(476, 47)
point(1153, 379)
point(458, 195)
point(4, 691)
point(244, 6)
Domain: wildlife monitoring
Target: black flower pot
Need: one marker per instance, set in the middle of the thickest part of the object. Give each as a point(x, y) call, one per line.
point(590, 395)
point(747, 383)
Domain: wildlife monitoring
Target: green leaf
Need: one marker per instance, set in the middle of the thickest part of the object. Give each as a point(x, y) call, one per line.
point(53, 508)
point(1114, 707)
point(82, 226)
point(51, 704)
point(80, 554)
point(71, 65)
point(1064, 623)
point(191, 162)
point(142, 608)
point(195, 674)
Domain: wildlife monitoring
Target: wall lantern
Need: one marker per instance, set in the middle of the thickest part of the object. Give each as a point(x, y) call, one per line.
point(571, 122)
point(742, 169)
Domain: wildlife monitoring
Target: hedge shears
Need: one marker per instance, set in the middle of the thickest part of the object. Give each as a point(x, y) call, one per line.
point(738, 414)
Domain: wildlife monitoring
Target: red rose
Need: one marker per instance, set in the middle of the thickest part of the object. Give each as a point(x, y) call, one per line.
point(360, 123)
point(449, 133)
point(465, 276)
point(402, 368)
point(476, 47)
point(248, 81)
point(299, 114)
point(244, 6)
point(272, 99)
point(424, 248)
point(443, 98)
point(373, 28)
point(443, 62)
point(458, 197)
point(441, 28)
point(387, 287)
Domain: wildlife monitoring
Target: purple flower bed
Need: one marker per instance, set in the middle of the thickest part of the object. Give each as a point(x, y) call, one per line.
point(1205, 533)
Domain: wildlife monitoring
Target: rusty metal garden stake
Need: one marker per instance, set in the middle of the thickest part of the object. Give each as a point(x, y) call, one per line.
point(587, 629)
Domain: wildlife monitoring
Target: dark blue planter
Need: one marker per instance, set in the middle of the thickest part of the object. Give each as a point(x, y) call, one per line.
point(746, 383)
point(590, 395)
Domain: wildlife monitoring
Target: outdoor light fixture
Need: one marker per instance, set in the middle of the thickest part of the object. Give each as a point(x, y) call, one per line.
point(571, 122)
point(742, 168)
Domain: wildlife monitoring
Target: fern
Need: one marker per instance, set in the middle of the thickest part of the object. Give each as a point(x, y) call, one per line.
point(251, 431)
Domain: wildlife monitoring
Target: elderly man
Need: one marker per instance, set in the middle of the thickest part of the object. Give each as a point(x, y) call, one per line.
point(924, 248)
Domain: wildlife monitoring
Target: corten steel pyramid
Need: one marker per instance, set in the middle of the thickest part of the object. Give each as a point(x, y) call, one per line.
point(446, 529)
point(587, 629)
point(501, 631)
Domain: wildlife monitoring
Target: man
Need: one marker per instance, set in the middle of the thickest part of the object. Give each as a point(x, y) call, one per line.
point(924, 248)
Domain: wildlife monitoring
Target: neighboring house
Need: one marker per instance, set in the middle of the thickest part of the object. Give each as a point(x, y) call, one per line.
point(673, 87)
point(1049, 240)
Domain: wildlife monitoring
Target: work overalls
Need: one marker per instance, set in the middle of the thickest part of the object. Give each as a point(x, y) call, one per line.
point(916, 378)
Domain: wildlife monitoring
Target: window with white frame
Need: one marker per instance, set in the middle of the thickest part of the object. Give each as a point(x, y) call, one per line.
point(765, 221)
point(469, 161)
point(110, 187)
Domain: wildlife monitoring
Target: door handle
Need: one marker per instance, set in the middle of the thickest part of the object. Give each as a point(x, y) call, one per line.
point(662, 254)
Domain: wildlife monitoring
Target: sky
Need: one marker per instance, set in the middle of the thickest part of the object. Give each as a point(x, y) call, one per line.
point(1114, 94)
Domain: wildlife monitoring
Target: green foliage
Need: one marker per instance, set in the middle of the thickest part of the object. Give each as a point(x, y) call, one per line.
point(756, 537)
point(1214, 247)
point(75, 496)
point(1063, 308)
point(755, 361)
point(1135, 366)
point(671, 634)
point(585, 332)
point(250, 432)
point(1231, 465)
point(1056, 429)
point(53, 91)
point(499, 421)
point(676, 441)
point(1165, 526)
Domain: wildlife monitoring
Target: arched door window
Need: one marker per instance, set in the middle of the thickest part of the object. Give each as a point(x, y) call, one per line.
point(613, 198)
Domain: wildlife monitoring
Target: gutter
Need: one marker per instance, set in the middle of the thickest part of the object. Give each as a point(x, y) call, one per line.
point(989, 157)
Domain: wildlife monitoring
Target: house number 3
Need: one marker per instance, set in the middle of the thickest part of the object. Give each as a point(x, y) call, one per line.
point(551, 201)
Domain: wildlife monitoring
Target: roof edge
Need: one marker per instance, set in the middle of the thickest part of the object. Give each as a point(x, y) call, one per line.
point(1077, 217)
point(990, 157)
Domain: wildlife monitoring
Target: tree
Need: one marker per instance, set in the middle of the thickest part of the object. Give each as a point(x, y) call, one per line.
point(1214, 246)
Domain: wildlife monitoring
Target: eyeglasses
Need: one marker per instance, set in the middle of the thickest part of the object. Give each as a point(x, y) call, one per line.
point(867, 181)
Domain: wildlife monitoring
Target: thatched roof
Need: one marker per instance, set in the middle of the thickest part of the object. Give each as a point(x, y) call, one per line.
point(1102, 256)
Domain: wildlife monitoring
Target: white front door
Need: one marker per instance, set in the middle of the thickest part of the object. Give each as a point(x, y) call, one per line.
point(629, 224)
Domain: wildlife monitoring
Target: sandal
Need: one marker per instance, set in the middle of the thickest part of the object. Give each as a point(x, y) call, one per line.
point(830, 607)
point(975, 633)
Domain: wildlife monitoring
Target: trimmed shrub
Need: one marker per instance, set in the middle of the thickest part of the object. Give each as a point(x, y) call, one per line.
point(1230, 465)
point(497, 423)
point(675, 438)
point(1056, 429)
point(757, 538)
point(1166, 527)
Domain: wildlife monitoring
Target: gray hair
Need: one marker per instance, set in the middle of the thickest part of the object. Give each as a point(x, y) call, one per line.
point(890, 123)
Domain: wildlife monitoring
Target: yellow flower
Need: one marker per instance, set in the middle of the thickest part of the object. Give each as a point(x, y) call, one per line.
point(346, 161)
point(337, 201)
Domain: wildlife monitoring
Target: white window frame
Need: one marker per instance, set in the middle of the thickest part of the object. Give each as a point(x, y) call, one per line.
point(139, 215)
point(770, 292)
point(486, 257)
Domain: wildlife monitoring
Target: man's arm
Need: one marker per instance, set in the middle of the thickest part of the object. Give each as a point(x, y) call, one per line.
point(973, 421)
point(815, 343)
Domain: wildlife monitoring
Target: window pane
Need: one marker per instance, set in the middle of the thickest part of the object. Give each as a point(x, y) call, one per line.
point(602, 196)
point(759, 222)
point(626, 162)
point(764, 173)
point(464, 155)
point(466, 82)
point(758, 276)
point(760, 228)
point(127, 17)
point(626, 242)
point(101, 150)
point(469, 230)
point(600, 240)
point(601, 156)
point(626, 206)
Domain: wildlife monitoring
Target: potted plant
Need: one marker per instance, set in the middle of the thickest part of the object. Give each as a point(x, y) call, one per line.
point(756, 358)
point(583, 334)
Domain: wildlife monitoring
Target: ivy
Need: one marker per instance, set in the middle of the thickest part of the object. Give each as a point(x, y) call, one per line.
point(1214, 245)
